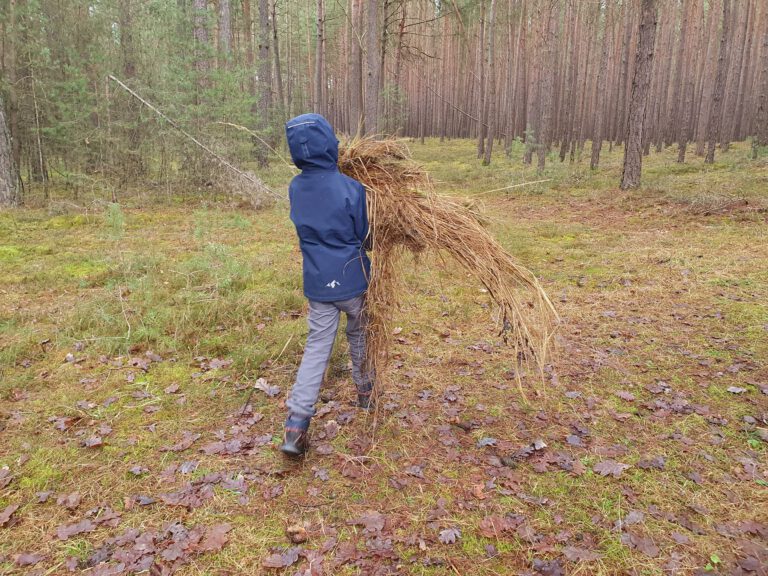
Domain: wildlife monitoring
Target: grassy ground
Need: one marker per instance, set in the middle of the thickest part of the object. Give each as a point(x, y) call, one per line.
point(122, 329)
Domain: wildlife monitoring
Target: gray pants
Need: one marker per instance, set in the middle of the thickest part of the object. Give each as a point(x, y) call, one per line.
point(323, 323)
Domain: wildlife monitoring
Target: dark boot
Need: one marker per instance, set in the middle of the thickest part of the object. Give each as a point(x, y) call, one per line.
point(296, 438)
point(366, 400)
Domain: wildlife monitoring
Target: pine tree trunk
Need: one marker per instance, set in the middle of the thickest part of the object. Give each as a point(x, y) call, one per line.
point(490, 109)
point(249, 56)
point(9, 181)
point(761, 128)
point(357, 122)
point(709, 77)
point(319, 104)
point(373, 72)
point(547, 67)
point(201, 45)
point(265, 63)
point(716, 113)
point(684, 130)
point(278, 68)
point(633, 150)
point(225, 34)
point(482, 84)
point(599, 111)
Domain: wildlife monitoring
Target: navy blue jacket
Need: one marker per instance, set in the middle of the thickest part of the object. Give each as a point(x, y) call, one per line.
point(329, 212)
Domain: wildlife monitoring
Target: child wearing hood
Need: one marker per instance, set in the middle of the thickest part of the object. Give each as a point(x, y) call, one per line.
point(331, 219)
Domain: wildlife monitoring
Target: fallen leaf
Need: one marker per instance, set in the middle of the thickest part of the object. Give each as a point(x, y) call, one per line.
point(449, 535)
point(282, 559)
point(187, 439)
point(69, 501)
point(66, 531)
point(5, 515)
point(371, 519)
point(271, 391)
point(736, 390)
point(610, 467)
point(576, 554)
point(27, 559)
point(214, 538)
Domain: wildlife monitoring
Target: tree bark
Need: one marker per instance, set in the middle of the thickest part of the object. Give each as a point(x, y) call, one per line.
point(319, 100)
point(597, 137)
point(689, 85)
point(282, 104)
point(9, 180)
point(265, 64)
point(373, 71)
point(201, 45)
point(761, 128)
point(225, 34)
point(357, 121)
point(633, 150)
point(716, 113)
point(490, 110)
point(249, 55)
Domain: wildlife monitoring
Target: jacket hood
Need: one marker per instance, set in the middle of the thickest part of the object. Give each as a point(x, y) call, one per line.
point(312, 142)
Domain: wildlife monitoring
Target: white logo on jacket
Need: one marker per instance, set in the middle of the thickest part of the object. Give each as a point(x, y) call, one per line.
point(333, 284)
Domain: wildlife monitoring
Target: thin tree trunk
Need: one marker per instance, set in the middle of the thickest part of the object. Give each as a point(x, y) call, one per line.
point(265, 64)
point(278, 68)
point(597, 138)
point(249, 56)
point(356, 67)
point(373, 72)
point(716, 114)
point(547, 67)
point(684, 129)
point(761, 128)
point(633, 150)
point(319, 103)
point(482, 84)
point(201, 45)
point(709, 78)
point(9, 180)
point(490, 109)
point(225, 34)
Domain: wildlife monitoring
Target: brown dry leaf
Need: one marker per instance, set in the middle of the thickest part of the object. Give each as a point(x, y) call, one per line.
point(28, 559)
point(610, 467)
point(215, 538)
point(69, 501)
point(187, 439)
point(371, 519)
point(576, 554)
point(5, 515)
point(282, 559)
point(66, 531)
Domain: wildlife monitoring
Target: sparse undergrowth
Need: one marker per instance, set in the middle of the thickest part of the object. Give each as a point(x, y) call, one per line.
point(125, 334)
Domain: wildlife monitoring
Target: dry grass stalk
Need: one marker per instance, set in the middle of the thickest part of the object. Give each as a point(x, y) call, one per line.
point(407, 215)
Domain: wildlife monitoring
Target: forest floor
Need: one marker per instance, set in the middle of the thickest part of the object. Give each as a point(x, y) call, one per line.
point(130, 337)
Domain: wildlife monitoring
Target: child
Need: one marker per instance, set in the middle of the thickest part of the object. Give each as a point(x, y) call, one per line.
point(329, 212)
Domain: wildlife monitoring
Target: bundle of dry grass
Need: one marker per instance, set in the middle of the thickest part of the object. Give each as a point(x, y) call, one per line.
point(406, 215)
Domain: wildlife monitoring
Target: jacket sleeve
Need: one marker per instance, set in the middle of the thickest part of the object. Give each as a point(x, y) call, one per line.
point(360, 217)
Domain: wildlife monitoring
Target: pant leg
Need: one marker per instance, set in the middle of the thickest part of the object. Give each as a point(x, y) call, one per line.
point(357, 321)
point(323, 322)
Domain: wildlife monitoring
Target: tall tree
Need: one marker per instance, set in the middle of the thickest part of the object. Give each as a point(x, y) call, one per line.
point(597, 134)
point(356, 67)
point(761, 124)
point(373, 59)
point(319, 93)
point(201, 44)
point(716, 111)
point(9, 181)
point(265, 63)
point(490, 108)
point(633, 150)
point(225, 33)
